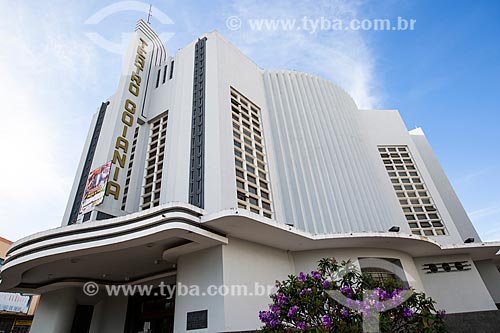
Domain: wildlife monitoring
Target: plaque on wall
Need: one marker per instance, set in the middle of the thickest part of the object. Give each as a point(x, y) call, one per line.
point(197, 320)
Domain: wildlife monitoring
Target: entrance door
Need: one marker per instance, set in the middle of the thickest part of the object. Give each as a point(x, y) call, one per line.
point(150, 314)
point(82, 319)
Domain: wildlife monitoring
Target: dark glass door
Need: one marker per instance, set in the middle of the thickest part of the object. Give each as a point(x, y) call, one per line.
point(82, 319)
point(150, 314)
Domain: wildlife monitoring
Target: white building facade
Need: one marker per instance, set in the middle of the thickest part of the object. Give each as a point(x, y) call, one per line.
point(220, 173)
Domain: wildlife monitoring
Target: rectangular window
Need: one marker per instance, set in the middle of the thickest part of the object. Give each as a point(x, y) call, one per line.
point(164, 74)
point(252, 180)
point(171, 75)
point(250, 169)
point(381, 269)
point(158, 78)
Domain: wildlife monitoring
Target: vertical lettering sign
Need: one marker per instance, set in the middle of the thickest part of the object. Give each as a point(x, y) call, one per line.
point(127, 120)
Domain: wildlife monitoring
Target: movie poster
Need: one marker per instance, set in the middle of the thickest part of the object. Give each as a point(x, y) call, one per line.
point(95, 187)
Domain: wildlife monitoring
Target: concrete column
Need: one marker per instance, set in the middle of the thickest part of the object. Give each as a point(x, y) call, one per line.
point(491, 277)
point(55, 312)
point(109, 315)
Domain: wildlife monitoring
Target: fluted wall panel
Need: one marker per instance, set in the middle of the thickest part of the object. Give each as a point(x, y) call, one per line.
point(322, 176)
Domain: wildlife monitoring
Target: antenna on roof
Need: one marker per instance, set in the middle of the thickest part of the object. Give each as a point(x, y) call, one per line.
point(149, 14)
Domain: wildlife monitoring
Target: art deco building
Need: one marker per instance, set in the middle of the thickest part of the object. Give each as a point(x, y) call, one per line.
point(205, 170)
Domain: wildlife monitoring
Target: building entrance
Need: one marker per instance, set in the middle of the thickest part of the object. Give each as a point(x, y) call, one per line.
point(150, 314)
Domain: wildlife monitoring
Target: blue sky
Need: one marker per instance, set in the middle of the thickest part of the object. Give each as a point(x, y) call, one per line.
point(444, 76)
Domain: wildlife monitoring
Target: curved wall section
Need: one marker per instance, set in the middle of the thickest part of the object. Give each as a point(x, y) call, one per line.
point(320, 170)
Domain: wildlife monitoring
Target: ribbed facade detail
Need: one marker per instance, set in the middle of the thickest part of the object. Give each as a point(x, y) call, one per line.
point(326, 182)
point(197, 171)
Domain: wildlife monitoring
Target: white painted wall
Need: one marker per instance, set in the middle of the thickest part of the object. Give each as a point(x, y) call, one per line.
point(385, 127)
point(455, 291)
point(176, 96)
point(202, 269)
point(248, 264)
point(491, 277)
point(443, 185)
point(55, 312)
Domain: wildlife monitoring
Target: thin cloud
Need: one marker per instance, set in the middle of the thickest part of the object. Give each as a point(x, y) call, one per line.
point(485, 212)
point(43, 124)
point(491, 234)
point(341, 56)
point(471, 176)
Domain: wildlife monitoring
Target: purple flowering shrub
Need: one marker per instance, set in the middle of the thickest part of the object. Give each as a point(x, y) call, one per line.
point(338, 298)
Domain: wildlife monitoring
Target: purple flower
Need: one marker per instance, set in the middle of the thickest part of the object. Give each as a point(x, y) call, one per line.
point(277, 284)
point(407, 313)
point(305, 291)
point(315, 275)
point(326, 321)
point(442, 313)
point(293, 311)
point(326, 284)
point(384, 295)
point(275, 323)
point(275, 309)
point(281, 299)
point(345, 313)
point(378, 306)
point(302, 276)
point(264, 316)
point(395, 293)
point(269, 318)
point(346, 291)
point(301, 325)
